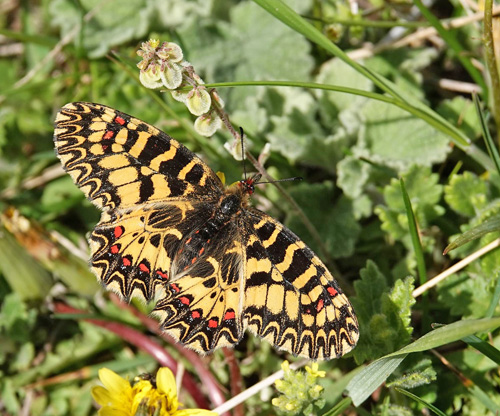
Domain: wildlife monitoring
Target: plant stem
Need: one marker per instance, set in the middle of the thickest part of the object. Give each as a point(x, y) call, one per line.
point(491, 62)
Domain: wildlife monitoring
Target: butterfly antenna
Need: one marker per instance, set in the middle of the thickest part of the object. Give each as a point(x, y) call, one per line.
point(242, 134)
point(295, 178)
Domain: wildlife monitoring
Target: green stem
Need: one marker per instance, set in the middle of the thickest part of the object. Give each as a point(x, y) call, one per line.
point(491, 62)
point(420, 111)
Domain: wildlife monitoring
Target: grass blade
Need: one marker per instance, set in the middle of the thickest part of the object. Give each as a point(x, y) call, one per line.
point(483, 347)
point(372, 376)
point(421, 401)
point(488, 140)
point(412, 225)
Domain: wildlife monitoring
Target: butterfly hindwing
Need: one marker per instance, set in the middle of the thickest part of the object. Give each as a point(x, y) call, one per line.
point(133, 252)
point(290, 297)
point(120, 161)
point(203, 307)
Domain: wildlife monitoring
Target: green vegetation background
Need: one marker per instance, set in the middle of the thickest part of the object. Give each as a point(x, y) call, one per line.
point(351, 148)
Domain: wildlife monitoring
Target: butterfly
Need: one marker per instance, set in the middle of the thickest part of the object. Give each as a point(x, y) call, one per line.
point(170, 231)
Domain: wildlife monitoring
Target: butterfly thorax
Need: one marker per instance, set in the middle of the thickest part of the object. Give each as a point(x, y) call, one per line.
point(227, 210)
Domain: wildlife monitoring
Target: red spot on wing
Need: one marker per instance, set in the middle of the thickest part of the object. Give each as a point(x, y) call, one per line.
point(108, 135)
point(175, 287)
point(320, 305)
point(120, 120)
point(201, 251)
point(212, 323)
point(192, 261)
point(105, 147)
point(162, 274)
point(332, 291)
point(126, 261)
point(184, 300)
point(188, 240)
point(208, 241)
point(195, 314)
point(229, 315)
point(118, 231)
point(144, 268)
point(115, 249)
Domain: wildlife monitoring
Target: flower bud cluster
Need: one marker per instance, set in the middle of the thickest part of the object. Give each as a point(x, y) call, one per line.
point(164, 66)
point(299, 391)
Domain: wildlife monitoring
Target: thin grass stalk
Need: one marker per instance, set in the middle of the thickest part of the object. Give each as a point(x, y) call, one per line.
point(491, 62)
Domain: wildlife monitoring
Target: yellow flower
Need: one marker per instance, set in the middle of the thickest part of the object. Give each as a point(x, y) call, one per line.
point(119, 398)
point(313, 370)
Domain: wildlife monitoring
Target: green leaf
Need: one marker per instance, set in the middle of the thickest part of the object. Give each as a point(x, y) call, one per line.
point(449, 333)
point(332, 103)
point(394, 138)
point(398, 304)
point(371, 377)
point(416, 377)
point(334, 219)
point(460, 111)
point(113, 23)
point(488, 140)
point(424, 193)
point(246, 32)
point(353, 174)
point(466, 294)
point(466, 193)
point(383, 315)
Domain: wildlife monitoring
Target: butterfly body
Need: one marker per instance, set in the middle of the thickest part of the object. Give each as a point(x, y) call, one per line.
point(171, 232)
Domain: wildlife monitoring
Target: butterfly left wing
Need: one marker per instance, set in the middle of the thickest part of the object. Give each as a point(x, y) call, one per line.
point(119, 161)
point(202, 308)
point(291, 299)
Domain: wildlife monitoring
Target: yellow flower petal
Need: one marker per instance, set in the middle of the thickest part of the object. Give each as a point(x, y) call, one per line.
point(165, 381)
point(102, 396)
point(108, 411)
point(194, 412)
point(115, 384)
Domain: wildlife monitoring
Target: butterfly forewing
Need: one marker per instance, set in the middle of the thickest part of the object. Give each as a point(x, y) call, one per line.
point(172, 233)
point(119, 161)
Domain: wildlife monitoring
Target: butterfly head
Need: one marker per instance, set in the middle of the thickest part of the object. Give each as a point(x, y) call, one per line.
point(248, 185)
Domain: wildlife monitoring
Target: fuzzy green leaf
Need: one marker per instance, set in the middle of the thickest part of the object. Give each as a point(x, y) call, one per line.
point(112, 25)
point(467, 294)
point(396, 139)
point(424, 193)
point(466, 193)
point(352, 176)
point(334, 219)
point(383, 315)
